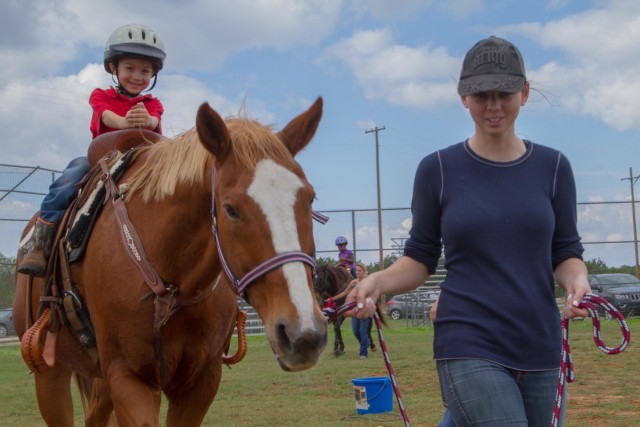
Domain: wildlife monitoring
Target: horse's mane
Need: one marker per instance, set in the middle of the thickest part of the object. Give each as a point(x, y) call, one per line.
point(183, 159)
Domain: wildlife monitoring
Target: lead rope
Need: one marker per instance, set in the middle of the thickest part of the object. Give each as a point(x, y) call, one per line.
point(590, 302)
point(332, 311)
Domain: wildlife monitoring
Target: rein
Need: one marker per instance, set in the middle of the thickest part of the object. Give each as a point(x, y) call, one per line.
point(271, 264)
point(332, 311)
point(590, 302)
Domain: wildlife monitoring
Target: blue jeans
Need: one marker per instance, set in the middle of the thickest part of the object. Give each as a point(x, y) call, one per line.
point(62, 190)
point(446, 420)
point(361, 331)
point(482, 393)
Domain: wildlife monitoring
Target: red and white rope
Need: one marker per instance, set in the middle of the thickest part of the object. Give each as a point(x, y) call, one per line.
point(566, 375)
point(332, 311)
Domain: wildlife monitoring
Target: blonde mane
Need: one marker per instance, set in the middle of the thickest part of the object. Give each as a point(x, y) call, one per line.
point(184, 159)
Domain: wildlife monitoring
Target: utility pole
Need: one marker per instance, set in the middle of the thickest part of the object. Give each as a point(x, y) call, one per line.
point(377, 130)
point(632, 180)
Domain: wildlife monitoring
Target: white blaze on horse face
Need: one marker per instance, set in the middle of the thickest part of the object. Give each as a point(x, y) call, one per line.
point(275, 190)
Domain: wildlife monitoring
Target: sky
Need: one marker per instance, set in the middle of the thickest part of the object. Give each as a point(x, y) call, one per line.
point(376, 63)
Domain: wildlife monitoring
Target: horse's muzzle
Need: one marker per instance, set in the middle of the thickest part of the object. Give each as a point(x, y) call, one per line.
point(297, 350)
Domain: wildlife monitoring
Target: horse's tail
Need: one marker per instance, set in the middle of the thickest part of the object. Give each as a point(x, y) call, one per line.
point(84, 387)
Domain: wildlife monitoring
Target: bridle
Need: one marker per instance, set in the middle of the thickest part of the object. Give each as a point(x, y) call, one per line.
point(321, 283)
point(271, 264)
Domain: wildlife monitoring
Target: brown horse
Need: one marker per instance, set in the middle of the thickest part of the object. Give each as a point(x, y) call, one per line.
point(239, 178)
point(330, 280)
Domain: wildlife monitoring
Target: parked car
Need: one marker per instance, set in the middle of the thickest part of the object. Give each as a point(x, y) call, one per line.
point(411, 304)
point(6, 322)
point(621, 290)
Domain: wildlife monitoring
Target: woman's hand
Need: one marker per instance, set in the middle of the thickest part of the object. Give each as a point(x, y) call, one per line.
point(572, 276)
point(575, 294)
point(365, 296)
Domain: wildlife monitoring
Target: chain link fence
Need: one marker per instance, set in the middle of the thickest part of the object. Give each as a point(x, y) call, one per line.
point(606, 228)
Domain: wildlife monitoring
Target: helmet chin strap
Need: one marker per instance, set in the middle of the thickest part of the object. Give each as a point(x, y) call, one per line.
point(123, 91)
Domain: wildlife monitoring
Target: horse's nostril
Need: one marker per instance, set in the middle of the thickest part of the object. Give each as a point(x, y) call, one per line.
point(283, 338)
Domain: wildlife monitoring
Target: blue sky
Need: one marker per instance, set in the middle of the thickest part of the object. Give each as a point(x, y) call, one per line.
point(375, 63)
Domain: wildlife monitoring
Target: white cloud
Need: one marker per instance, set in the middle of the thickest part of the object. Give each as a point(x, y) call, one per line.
point(38, 39)
point(50, 115)
point(615, 237)
point(462, 8)
point(55, 113)
point(385, 10)
point(420, 77)
point(596, 75)
point(599, 75)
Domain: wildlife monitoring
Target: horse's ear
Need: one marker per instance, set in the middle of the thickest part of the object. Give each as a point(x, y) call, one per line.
point(213, 132)
point(299, 132)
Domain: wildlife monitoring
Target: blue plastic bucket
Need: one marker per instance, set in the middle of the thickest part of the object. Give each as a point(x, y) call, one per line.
point(372, 395)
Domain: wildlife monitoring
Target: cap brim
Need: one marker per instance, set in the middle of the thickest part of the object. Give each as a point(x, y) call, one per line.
point(491, 82)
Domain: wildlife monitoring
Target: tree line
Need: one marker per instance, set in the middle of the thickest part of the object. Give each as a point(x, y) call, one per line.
point(7, 272)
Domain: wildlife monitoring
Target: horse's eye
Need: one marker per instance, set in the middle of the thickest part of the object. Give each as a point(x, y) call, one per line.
point(231, 212)
point(313, 199)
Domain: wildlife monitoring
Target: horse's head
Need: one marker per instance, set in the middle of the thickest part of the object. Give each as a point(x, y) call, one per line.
point(262, 205)
point(322, 283)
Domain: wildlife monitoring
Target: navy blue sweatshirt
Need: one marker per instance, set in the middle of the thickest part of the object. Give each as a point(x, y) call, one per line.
point(504, 228)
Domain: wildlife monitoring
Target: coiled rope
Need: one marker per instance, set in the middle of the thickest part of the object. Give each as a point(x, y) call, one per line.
point(591, 303)
point(332, 311)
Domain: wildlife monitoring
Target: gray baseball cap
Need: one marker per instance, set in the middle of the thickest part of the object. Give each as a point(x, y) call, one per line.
point(493, 64)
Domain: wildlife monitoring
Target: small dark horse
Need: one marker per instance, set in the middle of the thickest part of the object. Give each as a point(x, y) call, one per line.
point(330, 280)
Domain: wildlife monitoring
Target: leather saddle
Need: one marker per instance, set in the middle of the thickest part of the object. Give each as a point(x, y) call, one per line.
point(61, 304)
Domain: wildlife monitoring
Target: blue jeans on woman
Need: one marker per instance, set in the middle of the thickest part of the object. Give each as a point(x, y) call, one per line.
point(482, 393)
point(361, 331)
point(62, 190)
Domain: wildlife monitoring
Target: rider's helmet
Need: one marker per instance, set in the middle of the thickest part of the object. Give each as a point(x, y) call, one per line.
point(341, 240)
point(134, 40)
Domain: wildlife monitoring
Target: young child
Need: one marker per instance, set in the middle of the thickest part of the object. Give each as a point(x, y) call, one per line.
point(134, 55)
point(361, 327)
point(346, 258)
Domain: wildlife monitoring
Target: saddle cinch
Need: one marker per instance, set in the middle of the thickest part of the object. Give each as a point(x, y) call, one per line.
point(61, 305)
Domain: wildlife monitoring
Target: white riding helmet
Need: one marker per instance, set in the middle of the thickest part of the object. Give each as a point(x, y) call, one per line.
point(135, 40)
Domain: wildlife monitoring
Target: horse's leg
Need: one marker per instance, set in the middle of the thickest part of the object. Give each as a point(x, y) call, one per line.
point(188, 407)
point(134, 402)
point(53, 390)
point(100, 408)
point(338, 343)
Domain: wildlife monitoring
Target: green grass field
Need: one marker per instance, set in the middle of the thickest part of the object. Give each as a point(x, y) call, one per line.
point(257, 393)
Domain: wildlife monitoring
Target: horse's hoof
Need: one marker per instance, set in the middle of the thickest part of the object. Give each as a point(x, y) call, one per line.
point(338, 352)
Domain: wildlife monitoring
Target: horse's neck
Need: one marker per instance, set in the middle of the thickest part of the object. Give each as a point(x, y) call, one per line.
point(186, 242)
point(342, 281)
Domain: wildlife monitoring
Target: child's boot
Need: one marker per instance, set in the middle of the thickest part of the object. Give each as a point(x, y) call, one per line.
point(35, 261)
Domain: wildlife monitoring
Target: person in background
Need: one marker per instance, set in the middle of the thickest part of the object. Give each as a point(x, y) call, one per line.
point(346, 259)
point(361, 327)
point(504, 210)
point(134, 54)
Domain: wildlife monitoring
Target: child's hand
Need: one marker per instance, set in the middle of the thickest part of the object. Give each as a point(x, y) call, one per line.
point(138, 116)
